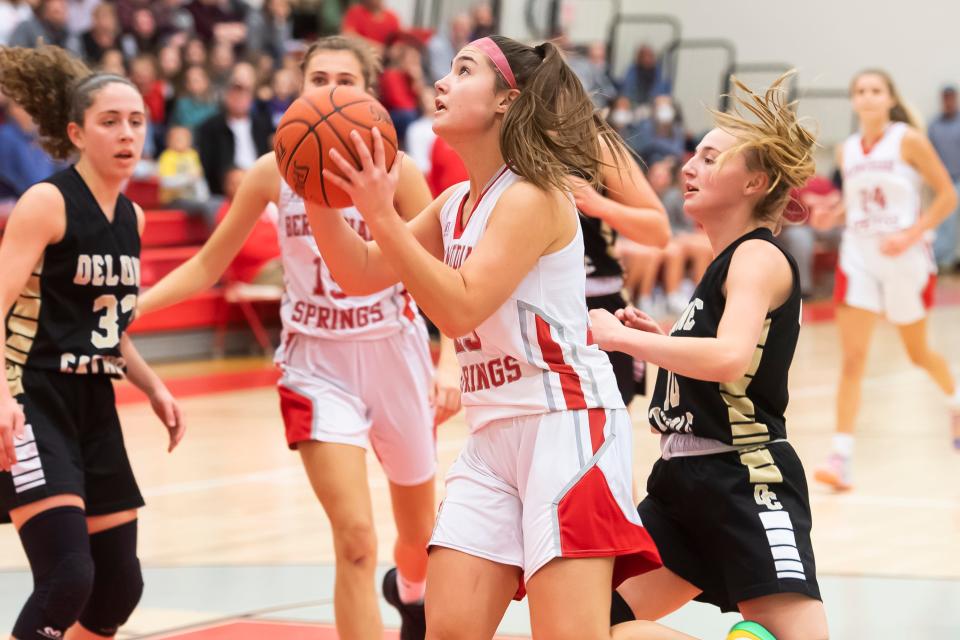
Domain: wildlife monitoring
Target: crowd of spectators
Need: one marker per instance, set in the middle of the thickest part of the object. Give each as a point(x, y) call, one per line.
point(217, 76)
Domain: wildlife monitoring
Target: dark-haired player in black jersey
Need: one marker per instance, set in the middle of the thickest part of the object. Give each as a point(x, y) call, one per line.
point(727, 503)
point(627, 206)
point(71, 274)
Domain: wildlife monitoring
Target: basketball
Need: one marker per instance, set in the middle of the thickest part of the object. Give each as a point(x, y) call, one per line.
point(318, 121)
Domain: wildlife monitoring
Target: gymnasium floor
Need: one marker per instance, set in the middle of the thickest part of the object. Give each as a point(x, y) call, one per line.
point(236, 547)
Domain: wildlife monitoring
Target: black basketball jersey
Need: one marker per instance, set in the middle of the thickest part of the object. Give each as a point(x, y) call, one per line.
point(749, 410)
point(83, 291)
point(599, 240)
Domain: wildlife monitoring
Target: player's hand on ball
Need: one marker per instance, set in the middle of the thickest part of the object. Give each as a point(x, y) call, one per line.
point(372, 187)
point(605, 329)
point(635, 319)
point(11, 427)
point(168, 410)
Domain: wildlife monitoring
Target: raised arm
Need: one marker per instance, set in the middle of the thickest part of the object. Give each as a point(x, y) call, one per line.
point(759, 279)
point(36, 221)
point(257, 189)
point(630, 206)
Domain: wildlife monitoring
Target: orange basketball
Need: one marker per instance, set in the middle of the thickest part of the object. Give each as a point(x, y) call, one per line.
point(318, 121)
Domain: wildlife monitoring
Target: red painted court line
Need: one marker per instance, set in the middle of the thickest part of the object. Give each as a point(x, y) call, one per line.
point(201, 385)
point(259, 629)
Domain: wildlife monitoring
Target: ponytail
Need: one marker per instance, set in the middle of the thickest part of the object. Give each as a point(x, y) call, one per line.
point(551, 129)
point(55, 88)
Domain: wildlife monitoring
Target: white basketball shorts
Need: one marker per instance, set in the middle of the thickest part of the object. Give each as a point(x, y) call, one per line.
point(364, 391)
point(529, 489)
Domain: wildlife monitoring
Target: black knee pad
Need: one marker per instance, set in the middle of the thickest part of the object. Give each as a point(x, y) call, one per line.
point(58, 548)
point(620, 611)
point(118, 584)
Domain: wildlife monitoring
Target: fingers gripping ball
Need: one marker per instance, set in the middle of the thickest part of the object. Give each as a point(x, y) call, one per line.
point(318, 121)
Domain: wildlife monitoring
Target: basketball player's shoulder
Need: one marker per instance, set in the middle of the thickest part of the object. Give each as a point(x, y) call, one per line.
point(914, 143)
point(758, 260)
point(265, 176)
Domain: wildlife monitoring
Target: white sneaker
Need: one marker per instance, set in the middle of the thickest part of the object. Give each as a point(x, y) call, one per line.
point(677, 303)
point(836, 472)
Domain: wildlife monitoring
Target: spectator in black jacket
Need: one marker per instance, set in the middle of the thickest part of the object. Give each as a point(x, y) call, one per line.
point(238, 134)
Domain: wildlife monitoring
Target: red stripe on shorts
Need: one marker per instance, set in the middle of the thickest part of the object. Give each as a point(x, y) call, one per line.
point(297, 412)
point(593, 525)
point(929, 290)
point(597, 419)
point(553, 356)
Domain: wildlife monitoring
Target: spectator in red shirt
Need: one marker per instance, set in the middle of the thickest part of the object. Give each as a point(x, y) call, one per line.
point(143, 73)
point(402, 86)
point(370, 20)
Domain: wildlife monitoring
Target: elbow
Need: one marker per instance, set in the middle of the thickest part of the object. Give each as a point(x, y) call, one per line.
point(732, 368)
point(664, 235)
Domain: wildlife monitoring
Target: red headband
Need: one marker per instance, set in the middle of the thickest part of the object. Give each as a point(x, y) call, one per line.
point(489, 47)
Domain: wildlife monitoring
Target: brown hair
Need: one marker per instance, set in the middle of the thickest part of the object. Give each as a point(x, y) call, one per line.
point(54, 88)
point(552, 129)
point(773, 141)
point(899, 112)
point(370, 63)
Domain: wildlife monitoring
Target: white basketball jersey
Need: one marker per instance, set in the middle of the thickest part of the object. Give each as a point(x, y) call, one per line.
point(313, 304)
point(881, 192)
point(533, 354)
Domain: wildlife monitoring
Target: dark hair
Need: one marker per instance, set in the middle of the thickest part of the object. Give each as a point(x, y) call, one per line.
point(370, 63)
point(54, 88)
point(551, 130)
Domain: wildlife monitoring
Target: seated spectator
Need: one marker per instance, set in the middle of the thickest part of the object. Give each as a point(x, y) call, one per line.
point(222, 61)
point(126, 9)
point(402, 88)
point(483, 20)
point(48, 24)
point(143, 73)
point(258, 261)
point(112, 61)
point(104, 33)
point(644, 78)
point(217, 20)
point(688, 246)
point(174, 21)
point(662, 135)
point(444, 45)
point(22, 163)
point(170, 73)
point(12, 13)
point(182, 185)
point(282, 92)
point(592, 71)
point(270, 29)
point(143, 36)
point(369, 19)
point(195, 52)
point(817, 199)
point(80, 15)
point(622, 117)
point(197, 103)
point(237, 134)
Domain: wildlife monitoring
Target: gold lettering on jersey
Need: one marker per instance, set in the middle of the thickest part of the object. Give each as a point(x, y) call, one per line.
point(686, 320)
point(96, 364)
point(741, 414)
point(97, 270)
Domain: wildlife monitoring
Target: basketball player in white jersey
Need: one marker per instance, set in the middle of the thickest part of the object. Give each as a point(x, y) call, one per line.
point(886, 266)
point(540, 498)
point(356, 373)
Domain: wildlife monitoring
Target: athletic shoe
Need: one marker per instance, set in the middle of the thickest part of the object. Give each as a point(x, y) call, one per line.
point(836, 472)
point(413, 619)
point(747, 630)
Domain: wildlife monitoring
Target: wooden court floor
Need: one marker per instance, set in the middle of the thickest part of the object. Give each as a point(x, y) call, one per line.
point(234, 496)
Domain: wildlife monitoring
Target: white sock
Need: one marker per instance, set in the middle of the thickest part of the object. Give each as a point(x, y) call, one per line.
point(409, 591)
point(843, 444)
point(954, 400)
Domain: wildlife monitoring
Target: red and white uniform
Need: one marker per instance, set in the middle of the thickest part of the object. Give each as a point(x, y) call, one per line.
point(356, 369)
point(882, 195)
point(546, 471)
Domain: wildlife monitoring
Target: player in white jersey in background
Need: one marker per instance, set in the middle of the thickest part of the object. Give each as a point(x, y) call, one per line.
point(886, 265)
point(332, 408)
point(540, 497)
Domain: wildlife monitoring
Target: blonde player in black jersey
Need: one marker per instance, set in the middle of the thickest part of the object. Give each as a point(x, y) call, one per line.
point(71, 272)
point(727, 503)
